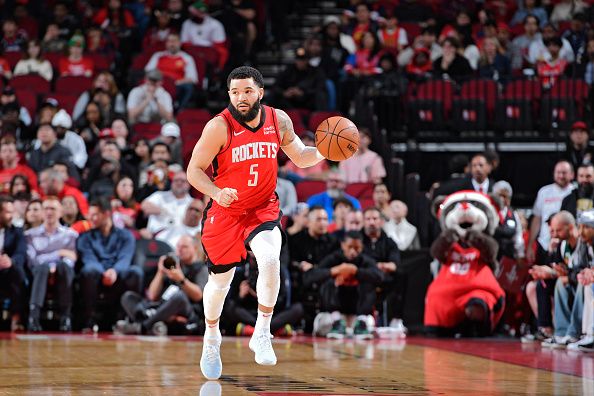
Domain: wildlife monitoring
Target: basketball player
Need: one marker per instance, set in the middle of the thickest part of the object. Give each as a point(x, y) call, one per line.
point(242, 143)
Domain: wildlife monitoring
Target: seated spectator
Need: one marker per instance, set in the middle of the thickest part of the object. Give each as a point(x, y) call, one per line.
point(106, 253)
point(111, 167)
point(301, 85)
point(361, 24)
point(51, 252)
point(451, 64)
point(67, 23)
point(173, 294)
point(121, 132)
point(420, 67)
point(9, 161)
point(159, 152)
point(33, 214)
point(581, 199)
point(19, 184)
point(158, 178)
point(111, 12)
point(75, 64)
point(335, 185)
point(576, 35)
point(365, 166)
point(72, 216)
point(13, 39)
point(242, 308)
point(203, 30)
point(99, 43)
point(12, 263)
point(286, 195)
point(21, 201)
point(5, 70)
point(578, 151)
point(492, 64)
point(178, 66)
point(150, 102)
point(33, 62)
point(381, 199)
point(317, 172)
point(426, 41)
point(529, 7)
point(62, 124)
point(365, 61)
point(553, 68)
point(47, 110)
point(509, 233)
point(90, 124)
point(9, 97)
point(191, 224)
point(392, 37)
point(105, 82)
point(49, 151)
point(141, 157)
point(298, 219)
point(565, 9)
point(341, 208)
point(347, 276)
point(338, 44)
point(239, 18)
point(52, 183)
point(520, 46)
point(539, 51)
point(178, 13)
point(124, 207)
point(157, 34)
point(167, 208)
point(170, 135)
point(399, 229)
point(52, 41)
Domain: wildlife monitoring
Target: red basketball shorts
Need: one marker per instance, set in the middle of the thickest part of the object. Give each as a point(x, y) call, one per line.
point(226, 235)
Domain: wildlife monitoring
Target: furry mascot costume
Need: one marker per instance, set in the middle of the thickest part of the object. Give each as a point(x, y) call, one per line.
point(465, 297)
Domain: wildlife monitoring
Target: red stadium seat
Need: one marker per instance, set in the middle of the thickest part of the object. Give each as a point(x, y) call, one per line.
point(66, 101)
point(30, 82)
point(28, 99)
point(307, 188)
point(208, 54)
point(430, 105)
point(296, 117)
point(147, 130)
point(317, 117)
point(193, 115)
point(412, 30)
point(169, 86)
point(481, 89)
point(54, 58)
point(74, 85)
point(360, 190)
point(101, 62)
point(522, 89)
point(12, 58)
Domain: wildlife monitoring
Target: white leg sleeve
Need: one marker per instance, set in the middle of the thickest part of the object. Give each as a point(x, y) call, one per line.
point(215, 291)
point(266, 246)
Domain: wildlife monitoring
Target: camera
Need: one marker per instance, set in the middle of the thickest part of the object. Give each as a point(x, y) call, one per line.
point(170, 262)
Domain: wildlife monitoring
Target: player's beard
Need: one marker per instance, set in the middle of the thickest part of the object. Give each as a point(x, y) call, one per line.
point(247, 117)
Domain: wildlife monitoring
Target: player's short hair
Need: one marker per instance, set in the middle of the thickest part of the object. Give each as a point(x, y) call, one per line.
point(244, 72)
point(352, 235)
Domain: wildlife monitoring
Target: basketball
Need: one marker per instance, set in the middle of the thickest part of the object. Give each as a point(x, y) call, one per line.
point(337, 138)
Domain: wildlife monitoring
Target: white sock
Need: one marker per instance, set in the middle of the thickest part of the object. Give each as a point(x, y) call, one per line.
point(263, 322)
point(212, 330)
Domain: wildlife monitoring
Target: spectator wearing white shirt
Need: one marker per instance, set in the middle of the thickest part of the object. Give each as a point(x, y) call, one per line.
point(205, 31)
point(287, 195)
point(365, 166)
point(150, 102)
point(399, 229)
point(548, 202)
point(191, 224)
point(71, 140)
point(33, 62)
point(167, 208)
point(538, 51)
point(177, 65)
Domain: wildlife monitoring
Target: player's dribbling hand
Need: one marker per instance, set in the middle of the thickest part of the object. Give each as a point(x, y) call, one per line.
point(226, 196)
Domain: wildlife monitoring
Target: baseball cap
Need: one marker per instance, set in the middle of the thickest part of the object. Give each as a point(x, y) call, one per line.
point(106, 133)
point(200, 5)
point(331, 19)
point(586, 218)
point(77, 40)
point(51, 102)
point(170, 129)
point(154, 75)
point(579, 125)
point(62, 119)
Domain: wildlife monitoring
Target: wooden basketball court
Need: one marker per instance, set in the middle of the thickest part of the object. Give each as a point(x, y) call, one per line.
point(110, 365)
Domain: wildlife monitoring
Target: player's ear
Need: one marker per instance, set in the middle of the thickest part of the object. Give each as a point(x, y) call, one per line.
point(261, 93)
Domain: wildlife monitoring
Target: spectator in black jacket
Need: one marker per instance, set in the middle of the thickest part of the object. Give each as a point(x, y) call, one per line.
point(348, 275)
point(380, 247)
point(581, 198)
point(13, 249)
point(451, 64)
point(578, 150)
point(50, 151)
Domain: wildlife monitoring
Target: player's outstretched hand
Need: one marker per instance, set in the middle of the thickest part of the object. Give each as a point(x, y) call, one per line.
point(226, 196)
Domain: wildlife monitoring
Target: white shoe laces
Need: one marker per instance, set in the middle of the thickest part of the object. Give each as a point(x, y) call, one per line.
point(264, 343)
point(212, 353)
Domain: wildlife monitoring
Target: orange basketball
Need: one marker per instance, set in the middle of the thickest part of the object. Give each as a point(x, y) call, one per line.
point(337, 138)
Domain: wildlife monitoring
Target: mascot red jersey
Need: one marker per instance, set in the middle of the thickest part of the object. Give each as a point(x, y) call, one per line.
point(465, 297)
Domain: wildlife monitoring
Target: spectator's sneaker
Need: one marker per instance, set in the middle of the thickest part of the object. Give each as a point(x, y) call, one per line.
point(557, 342)
point(322, 324)
point(285, 331)
point(126, 327)
point(159, 329)
point(574, 346)
point(587, 347)
point(33, 325)
point(65, 324)
point(338, 330)
point(361, 332)
point(539, 336)
point(210, 362)
point(261, 345)
point(243, 330)
point(397, 326)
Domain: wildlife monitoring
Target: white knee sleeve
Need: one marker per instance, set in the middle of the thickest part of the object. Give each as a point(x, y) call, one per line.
point(266, 246)
point(214, 294)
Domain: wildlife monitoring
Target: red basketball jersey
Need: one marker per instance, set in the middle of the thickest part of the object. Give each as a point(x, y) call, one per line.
point(248, 162)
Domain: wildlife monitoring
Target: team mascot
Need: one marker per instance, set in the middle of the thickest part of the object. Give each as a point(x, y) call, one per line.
point(465, 297)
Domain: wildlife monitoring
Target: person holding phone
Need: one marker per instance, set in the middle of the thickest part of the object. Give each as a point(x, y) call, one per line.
point(172, 296)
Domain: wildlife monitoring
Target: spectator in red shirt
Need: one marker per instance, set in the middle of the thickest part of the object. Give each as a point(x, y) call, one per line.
point(361, 24)
point(549, 70)
point(13, 39)
point(5, 70)
point(178, 66)
point(76, 64)
point(51, 182)
point(9, 157)
point(365, 62)
point(114, 10)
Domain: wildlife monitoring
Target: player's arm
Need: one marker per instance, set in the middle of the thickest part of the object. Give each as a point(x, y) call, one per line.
point(212, 141)
point(303, 156)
